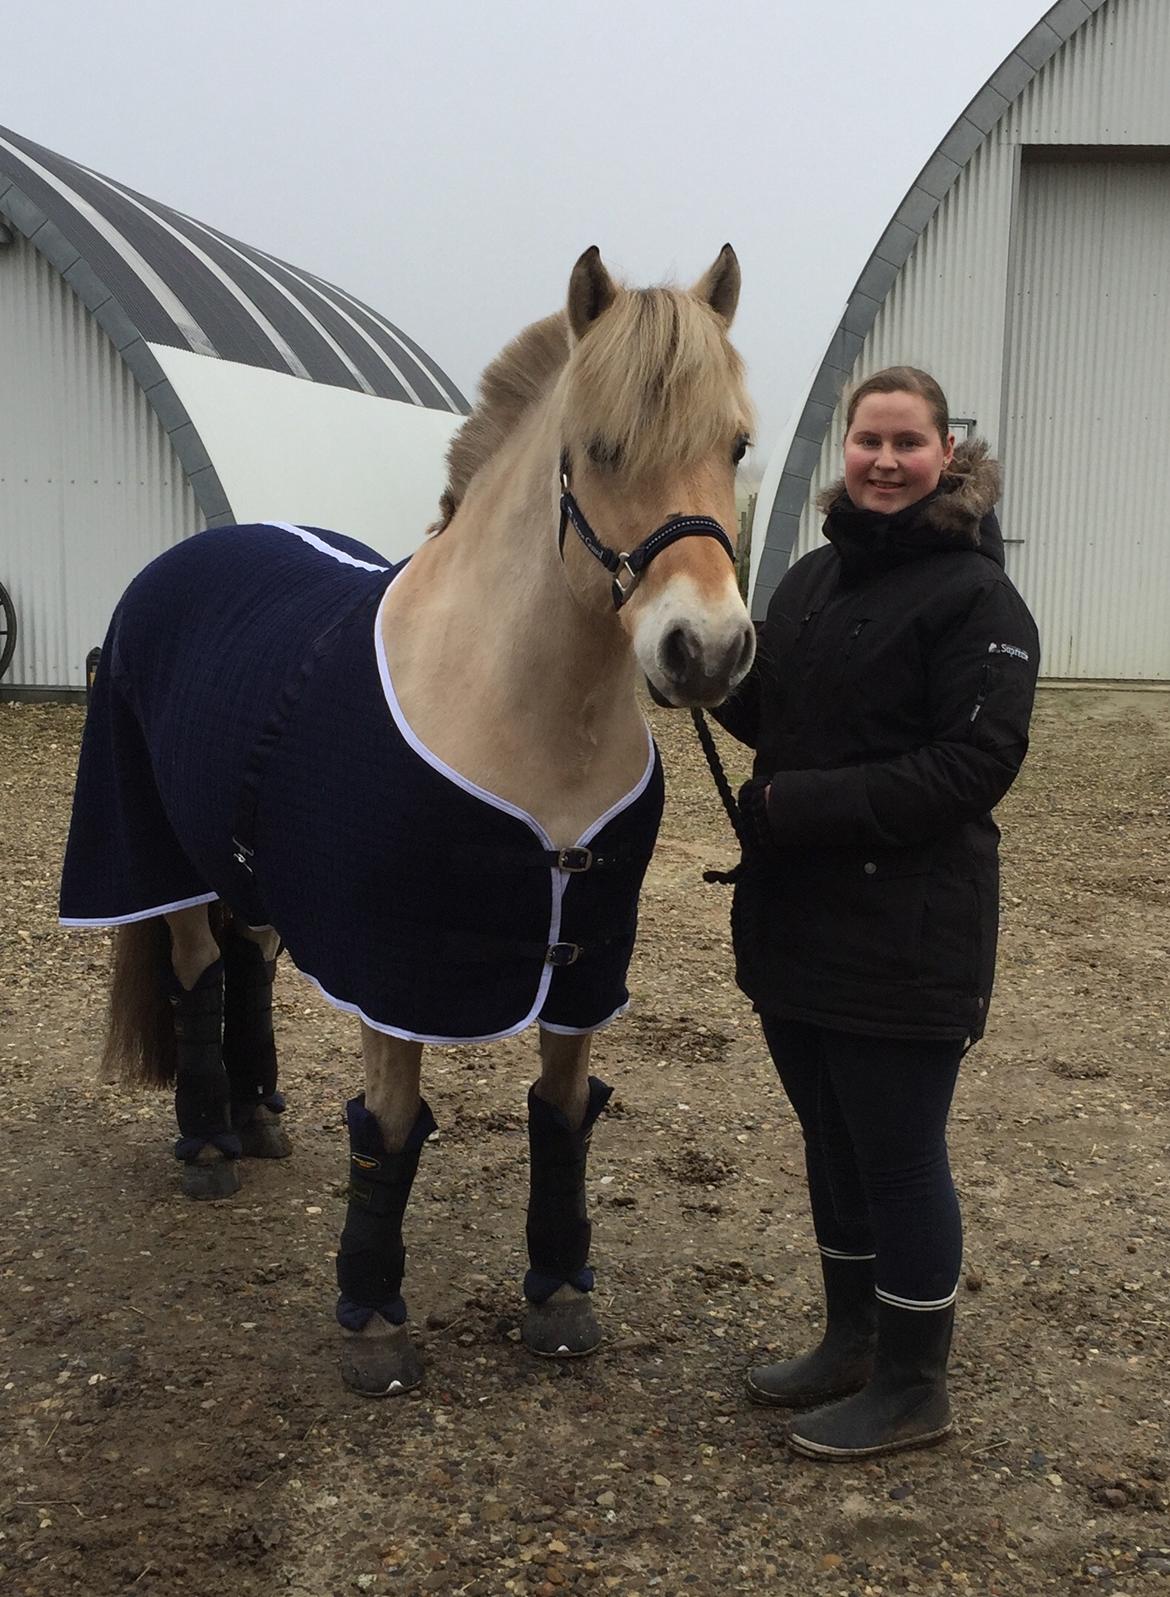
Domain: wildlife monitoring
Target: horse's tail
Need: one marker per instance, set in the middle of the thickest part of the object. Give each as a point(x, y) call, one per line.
point(140, 1036)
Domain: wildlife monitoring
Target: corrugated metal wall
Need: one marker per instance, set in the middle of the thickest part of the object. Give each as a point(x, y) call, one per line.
point(1107, 85)
point(946, 310)
point(953, 309)
point(1088, 357)
point(90, 489)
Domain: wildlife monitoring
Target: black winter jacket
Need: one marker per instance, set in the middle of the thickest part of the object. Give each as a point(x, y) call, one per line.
point(888, 708)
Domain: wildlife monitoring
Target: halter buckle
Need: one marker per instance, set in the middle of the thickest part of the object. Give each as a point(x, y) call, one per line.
point(563, 954)
point(622, 591)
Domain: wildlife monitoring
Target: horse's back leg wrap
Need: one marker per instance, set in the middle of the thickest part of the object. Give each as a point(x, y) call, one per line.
point(372, 1258)
point(249, 1047)
point(202, 1096)
point(558, 1227)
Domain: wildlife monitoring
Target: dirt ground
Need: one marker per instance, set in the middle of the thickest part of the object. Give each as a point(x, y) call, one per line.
point(171, 1419)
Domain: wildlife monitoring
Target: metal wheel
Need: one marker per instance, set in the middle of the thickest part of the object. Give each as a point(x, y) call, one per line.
point(7, 629)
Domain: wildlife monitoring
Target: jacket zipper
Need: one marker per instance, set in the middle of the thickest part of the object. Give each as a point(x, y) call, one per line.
point(984, 690)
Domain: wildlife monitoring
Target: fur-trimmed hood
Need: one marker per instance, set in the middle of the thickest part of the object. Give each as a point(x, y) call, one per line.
point(970, 489)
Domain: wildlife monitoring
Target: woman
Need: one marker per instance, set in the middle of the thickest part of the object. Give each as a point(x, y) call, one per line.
point(888, 709)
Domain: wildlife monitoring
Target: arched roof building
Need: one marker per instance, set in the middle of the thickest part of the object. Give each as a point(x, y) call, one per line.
point(157, 376)
point(1026, 268)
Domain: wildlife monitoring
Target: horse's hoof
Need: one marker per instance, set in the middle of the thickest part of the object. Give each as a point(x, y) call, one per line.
point(263, 1137)
point(563, 1327)
point(381, 1360)
point(208, 1179)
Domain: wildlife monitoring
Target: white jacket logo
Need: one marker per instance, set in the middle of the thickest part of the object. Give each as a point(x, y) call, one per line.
point(1007, 648)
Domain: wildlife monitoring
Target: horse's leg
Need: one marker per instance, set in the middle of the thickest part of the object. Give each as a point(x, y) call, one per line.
point(249, 1047)
point(207, 1145)
point(562, 1109)
point(388, 1125)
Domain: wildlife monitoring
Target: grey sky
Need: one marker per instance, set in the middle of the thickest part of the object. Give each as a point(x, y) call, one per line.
point(447, 160)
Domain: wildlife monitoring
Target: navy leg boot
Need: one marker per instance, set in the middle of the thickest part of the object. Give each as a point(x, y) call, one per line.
point(378, 1358)
point(249, 1049)
point(560, 1322)
point(207, 1145)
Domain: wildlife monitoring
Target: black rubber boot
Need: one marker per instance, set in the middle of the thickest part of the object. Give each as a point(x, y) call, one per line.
point(904, 1405)
point(843, 1360)
point(207, 1145)
point(249, 1048)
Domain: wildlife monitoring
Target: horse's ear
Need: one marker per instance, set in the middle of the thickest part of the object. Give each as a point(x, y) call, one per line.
point(719, 285)
point(591, 291)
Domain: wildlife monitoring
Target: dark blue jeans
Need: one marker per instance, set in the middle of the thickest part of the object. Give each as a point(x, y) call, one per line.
point(873, 1111)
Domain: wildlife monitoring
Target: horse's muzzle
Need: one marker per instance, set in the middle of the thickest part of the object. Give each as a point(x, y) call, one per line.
point(700, 671)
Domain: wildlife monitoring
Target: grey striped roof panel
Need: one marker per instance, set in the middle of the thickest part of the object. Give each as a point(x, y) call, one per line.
point(183, 284)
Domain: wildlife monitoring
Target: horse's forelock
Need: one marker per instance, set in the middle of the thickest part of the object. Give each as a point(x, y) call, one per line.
point(655, 381)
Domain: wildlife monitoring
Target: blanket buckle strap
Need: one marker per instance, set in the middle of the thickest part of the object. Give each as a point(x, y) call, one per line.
point(575, 859)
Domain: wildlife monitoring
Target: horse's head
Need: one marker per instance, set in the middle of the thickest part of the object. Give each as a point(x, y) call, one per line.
point(655, 419)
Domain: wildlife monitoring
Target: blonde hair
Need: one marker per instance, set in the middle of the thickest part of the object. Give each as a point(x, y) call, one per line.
point(655, 382)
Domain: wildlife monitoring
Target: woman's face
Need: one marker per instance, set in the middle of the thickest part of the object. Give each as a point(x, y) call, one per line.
point(893, 453)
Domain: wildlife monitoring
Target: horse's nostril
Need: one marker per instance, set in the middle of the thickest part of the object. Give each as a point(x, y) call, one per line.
point(680, 653)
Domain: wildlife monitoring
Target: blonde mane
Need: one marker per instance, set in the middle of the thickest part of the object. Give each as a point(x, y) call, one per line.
point(653, 382)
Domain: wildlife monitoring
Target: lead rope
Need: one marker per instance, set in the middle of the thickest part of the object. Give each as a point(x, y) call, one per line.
point(723, 787)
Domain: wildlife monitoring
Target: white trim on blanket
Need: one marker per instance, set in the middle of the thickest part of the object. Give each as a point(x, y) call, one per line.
point(452, 1042)
point(464, 782)
point(314, 542)
point(140, 914)
point(583, 1031)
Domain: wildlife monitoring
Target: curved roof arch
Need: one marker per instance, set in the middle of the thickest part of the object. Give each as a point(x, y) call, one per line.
point(801, 447)
point(152, 276)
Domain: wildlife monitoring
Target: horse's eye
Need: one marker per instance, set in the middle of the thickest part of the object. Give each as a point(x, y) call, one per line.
point(604, 454)
point(740, 448)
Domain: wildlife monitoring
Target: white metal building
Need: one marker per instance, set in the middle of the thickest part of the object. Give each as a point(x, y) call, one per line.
point(157, 377)
point(1028, 269)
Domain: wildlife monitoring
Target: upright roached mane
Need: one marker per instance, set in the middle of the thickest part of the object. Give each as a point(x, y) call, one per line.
point(509, 387)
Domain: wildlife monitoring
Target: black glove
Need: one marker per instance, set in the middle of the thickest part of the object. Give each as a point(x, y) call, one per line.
point(755, 827)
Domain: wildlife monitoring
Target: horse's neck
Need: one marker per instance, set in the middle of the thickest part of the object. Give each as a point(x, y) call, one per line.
point(503, 674)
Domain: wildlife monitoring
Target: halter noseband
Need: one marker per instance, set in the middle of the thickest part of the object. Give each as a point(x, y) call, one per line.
point(628, 568)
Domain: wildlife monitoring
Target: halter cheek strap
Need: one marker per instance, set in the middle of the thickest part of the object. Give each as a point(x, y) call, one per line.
point(627, 569)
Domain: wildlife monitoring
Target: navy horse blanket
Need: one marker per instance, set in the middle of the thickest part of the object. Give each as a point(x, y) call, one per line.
point(244, 742)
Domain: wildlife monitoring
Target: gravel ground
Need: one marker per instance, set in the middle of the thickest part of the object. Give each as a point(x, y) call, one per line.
point(171, 1420)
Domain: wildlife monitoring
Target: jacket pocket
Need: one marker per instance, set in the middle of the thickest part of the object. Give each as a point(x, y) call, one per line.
point(863, 916)
point(954, 938)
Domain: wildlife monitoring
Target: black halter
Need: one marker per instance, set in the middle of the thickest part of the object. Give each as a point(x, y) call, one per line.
point(628, 568)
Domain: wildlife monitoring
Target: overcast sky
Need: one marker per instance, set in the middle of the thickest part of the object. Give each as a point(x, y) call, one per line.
point(448, 160)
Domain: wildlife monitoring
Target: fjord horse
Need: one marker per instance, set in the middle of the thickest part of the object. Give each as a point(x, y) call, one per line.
point(433, 782)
